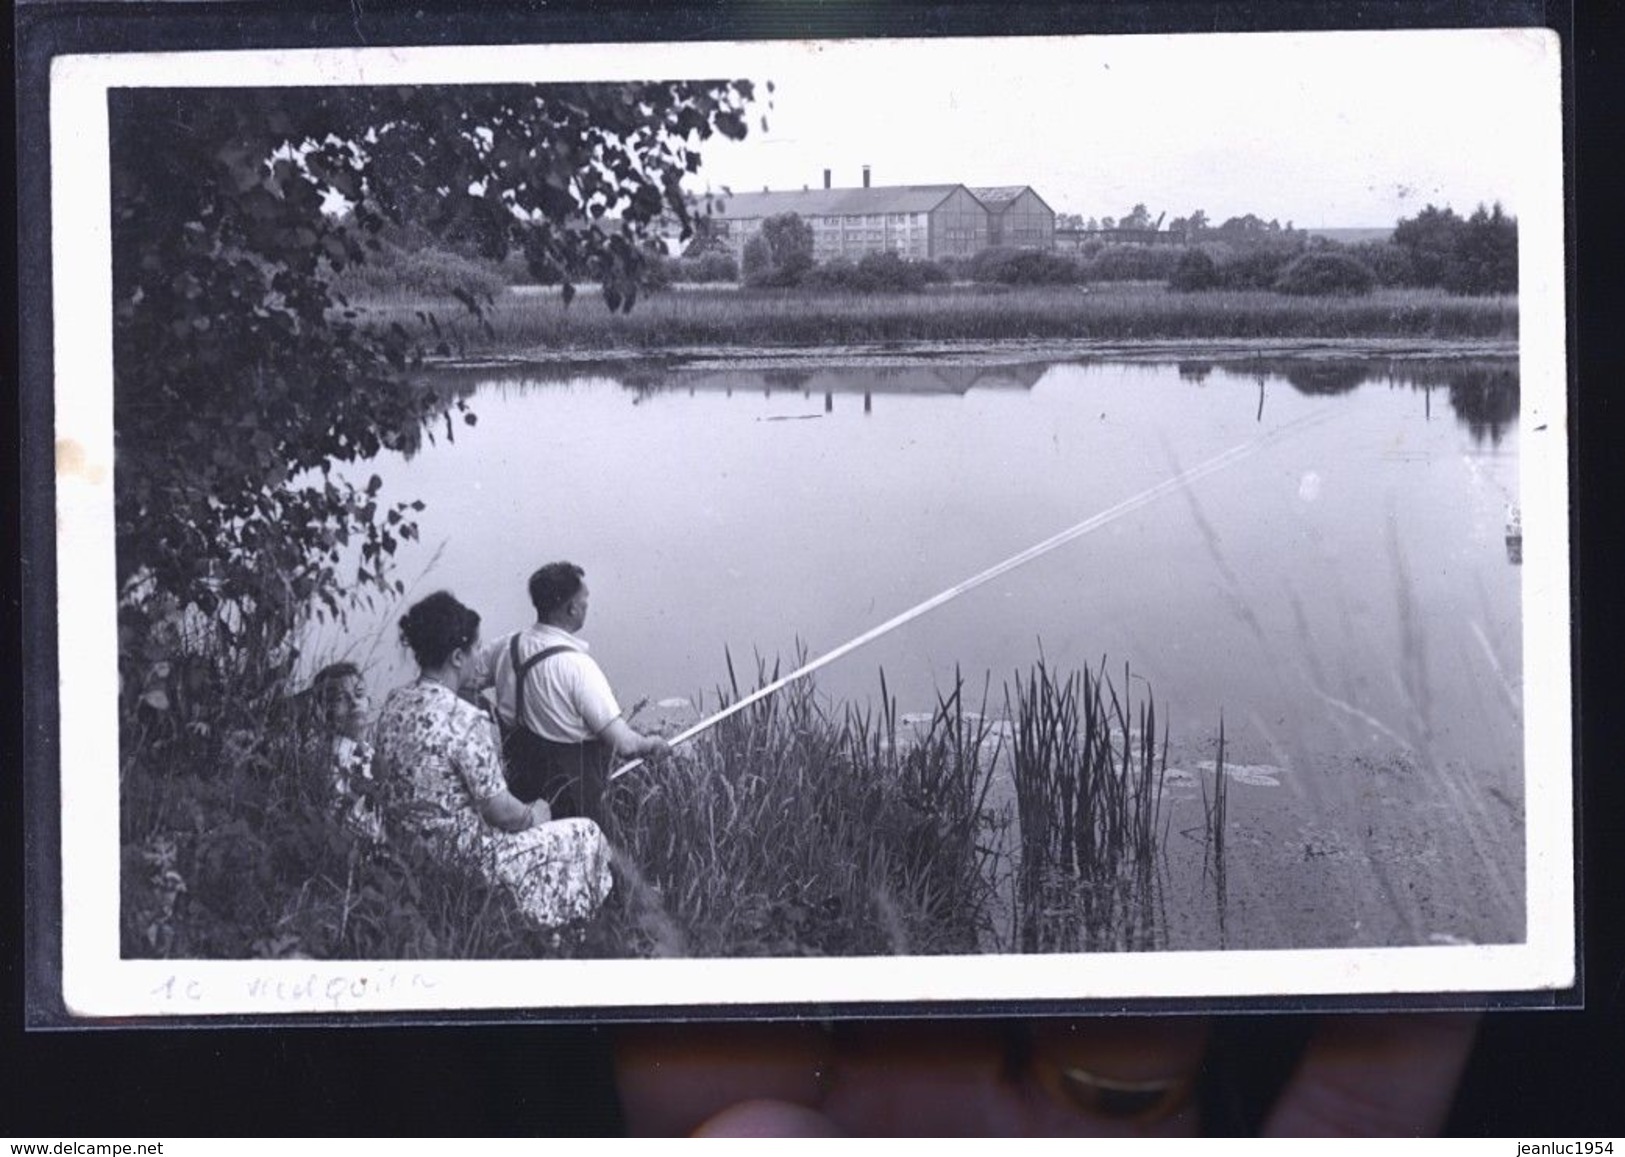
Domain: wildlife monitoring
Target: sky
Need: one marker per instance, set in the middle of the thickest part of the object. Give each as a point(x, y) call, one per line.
point(1339, 129)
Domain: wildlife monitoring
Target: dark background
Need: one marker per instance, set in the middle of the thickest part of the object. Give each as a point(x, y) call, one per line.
point(1537, 1073)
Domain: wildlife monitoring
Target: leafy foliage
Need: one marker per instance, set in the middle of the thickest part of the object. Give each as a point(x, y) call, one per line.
point(1254, 267)
point(242, 374)
point(876, 273)
point(784, 253)
point(1023, 267)
point(708, 268)
point(1130, 263)
point(1390, 264)
point(1472, 256)
point(428, 273)
point(1323, 272)
point(1195, 271)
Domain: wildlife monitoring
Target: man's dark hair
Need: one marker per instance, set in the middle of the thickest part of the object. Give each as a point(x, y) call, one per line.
point(554, 585)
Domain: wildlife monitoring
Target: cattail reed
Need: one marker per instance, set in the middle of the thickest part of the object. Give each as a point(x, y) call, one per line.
point(1088, 796)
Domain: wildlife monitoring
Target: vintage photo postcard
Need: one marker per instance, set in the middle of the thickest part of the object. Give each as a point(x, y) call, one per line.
point(813, 525)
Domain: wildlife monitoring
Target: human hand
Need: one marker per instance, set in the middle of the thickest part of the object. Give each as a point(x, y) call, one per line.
point(1361, 1075)
point(655, 746)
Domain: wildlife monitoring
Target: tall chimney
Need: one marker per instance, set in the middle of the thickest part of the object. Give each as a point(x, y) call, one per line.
point(826, 178)
point(866, 176)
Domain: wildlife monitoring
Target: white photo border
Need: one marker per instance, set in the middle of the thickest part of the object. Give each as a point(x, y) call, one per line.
point(98, 983)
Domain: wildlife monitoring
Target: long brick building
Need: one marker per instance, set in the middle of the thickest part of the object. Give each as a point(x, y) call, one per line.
point(914, 221)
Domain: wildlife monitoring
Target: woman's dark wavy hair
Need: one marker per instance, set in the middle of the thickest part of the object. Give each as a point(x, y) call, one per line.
point(437, 625)
point(554, 585)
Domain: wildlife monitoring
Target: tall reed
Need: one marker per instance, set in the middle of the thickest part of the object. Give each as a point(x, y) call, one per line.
point(1088, 800)
point(1214, 826)
point(791, 830)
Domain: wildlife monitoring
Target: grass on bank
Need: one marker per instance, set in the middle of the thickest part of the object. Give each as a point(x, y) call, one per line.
point(792, 829)
point(526, 323)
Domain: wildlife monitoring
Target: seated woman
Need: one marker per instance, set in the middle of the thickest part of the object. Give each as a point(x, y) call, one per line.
point(339, 700)
point(440, 752)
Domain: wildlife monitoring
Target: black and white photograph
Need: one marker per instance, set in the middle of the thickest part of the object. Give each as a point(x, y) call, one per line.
point(575, 527)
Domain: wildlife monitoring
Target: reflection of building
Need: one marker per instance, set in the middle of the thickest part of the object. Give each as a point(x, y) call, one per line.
point(869, 380)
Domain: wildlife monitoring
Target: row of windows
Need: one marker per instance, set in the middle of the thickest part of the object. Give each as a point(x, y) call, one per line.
point(909, 219)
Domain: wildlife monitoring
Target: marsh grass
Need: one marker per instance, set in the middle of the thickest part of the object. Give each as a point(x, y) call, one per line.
point(1214, 826)
point(793, 829)
point(1088, 803)
point(523, 324)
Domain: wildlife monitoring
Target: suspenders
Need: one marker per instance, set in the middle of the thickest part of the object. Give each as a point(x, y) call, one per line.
point(521, 671)
point(568, 775)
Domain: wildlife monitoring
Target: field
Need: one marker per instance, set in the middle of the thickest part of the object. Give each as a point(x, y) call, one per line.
point(539, 323)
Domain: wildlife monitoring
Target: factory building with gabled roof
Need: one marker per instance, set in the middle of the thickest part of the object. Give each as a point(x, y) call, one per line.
point(913, 221)
point(1017, 217)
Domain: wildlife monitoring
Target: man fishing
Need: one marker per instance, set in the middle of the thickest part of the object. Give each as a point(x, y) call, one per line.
point(560, 722)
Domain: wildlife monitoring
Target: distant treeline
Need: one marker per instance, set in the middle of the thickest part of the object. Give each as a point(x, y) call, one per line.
point(1437, 248)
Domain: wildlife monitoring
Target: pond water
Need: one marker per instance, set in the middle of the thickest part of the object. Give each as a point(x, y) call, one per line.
point(1349, 586)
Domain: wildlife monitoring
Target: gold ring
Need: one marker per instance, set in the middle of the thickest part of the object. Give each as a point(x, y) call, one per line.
point(1142, 1101)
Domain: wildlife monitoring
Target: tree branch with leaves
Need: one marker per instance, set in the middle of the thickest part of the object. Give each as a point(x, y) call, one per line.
point(242, 376)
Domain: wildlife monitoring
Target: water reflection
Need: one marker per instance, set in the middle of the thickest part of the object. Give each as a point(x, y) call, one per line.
point(1482, 394)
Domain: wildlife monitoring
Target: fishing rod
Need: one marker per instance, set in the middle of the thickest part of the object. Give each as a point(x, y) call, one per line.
point(1087, 526)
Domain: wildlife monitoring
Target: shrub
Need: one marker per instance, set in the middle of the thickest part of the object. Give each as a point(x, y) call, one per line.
point(875, 273)
point(780, 254)
point(836, 273)
point(1195, 271)
point(1486, 254)
point(1254, 268)
point(712, 267)
point(1323, 273)
point(422, 272)
point(1024, 267)
point(658, 272)
point(984, 266)
point(1132, 263)
point(1389, 264)
point(1472, 256)
point(757, 266)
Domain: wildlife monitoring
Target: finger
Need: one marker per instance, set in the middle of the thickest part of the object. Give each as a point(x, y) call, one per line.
point(989, 1080)
point(1375, 1076)
point(917, 1079)
point(1117, 1076)
point(672, 1078)
point(766, 1118)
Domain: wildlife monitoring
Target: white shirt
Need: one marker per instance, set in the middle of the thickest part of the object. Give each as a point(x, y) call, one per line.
point(567, 697)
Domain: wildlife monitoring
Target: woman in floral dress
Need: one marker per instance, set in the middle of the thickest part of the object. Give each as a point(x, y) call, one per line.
point(440, 752)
